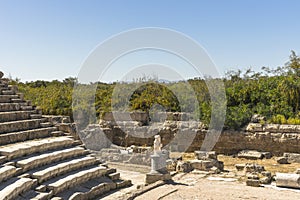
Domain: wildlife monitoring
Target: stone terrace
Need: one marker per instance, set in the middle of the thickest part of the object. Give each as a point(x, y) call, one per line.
point(40, 161)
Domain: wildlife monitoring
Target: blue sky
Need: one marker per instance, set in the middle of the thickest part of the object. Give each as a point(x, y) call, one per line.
point(51, 39)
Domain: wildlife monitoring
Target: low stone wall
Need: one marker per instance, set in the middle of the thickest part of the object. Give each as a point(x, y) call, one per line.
point(273, 138)
point(145, 117)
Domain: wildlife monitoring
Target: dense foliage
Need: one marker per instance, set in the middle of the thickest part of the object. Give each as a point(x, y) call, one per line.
point(274, 94)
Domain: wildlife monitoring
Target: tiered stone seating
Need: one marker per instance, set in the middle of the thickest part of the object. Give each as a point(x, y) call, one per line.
point(47, 158)
point(13, 190)
point(40, 161)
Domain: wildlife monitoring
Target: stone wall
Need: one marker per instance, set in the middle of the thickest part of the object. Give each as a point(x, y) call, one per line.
point(274, 138)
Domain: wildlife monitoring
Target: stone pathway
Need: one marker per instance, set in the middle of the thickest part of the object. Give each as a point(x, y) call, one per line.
point(137, 178)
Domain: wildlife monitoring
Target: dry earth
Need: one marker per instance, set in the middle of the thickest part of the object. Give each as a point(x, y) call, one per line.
point(194, 187)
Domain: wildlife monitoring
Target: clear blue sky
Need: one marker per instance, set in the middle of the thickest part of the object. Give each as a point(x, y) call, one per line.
point(50, 39)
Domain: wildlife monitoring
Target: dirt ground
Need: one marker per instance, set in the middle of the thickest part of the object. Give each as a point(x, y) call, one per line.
point(196, 187)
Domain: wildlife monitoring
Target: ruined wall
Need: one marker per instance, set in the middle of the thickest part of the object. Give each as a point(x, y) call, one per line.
point(274, 138)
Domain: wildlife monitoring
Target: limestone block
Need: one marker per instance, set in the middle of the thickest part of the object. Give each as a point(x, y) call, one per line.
point(250, 154)
point(254, 127)
point(252, 176)
point(271, 128)
point(126, 183)
point(266, 174)
point(7, 172)
point(265, 180)
point(253, 182)
point(288, 180)
point(39, 160)
point(62, 168)
point(29, 147)
point(253, 167)
point(13, 190)
point(292, 157)
point(286, 128)
point(76, 179)
point(206, 165)
point(205, 155)
point(240, 167)
point(114, 176)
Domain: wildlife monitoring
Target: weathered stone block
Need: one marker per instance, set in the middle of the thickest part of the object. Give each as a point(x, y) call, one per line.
point(288, 180)
point(292, 157)
point(253, 182)
point(254, 127)
point(240, 167)
point(250, 154)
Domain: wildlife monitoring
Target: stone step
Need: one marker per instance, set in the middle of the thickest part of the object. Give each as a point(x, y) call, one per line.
point(21, 125)
point(15, 116)
point(93, 188)
point(7, 98)
point(7, 172)
point(58, 133)
point(12, 87)
point(46, 124)
point(27, 107)
point(14, 189)
point(64, 167)
point(36, 116)
point(76, 178)
point(123, 183)
point(34, 195)
point(114, 176)
point(2, 159)
point(6, 107)
point(50, 157)
point(90, 189)
point(18, 100)
point(8, 92)
point(33, 146)
point(8, 138)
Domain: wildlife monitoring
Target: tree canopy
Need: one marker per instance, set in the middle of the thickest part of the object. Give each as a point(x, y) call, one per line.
point(273, 93)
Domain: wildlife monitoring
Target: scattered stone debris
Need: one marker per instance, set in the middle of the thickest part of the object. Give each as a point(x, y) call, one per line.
point(256, 174)
point(207, 161)
point(282, 160)
point(183, 166)
point(292, 157)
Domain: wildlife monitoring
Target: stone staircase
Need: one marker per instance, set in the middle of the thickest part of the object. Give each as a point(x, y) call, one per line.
point(39, 161)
